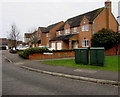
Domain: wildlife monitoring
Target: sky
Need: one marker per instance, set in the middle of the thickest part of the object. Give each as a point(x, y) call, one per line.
point(30, 14)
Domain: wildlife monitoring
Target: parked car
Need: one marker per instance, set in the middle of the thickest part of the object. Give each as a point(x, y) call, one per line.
point(20, 48)
point(46, 47)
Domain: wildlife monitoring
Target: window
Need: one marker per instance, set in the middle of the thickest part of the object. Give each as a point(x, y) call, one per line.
point(85, 43)
point(53, 46)
point(67, 31)
point(59, 45)
point(75, 29)
point(85, 28)
point(58, 33)
point(47, 34)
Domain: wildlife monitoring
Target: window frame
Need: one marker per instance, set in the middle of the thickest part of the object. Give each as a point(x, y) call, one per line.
point(85, 28)
point(47, 34)
point(75, 29)
point(58, 33)
point(67, 31)
point(85, 43)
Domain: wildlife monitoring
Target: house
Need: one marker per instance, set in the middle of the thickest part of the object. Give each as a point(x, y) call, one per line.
point(3, 43)
point(32, 39)
point(77, 31)
point(119, 15)
point(35, 39)
point(47, 33)
point(27, 37)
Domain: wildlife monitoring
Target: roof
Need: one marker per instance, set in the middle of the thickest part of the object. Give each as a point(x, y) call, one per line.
point(47, 29)
point(34, 32)
point(75, 21)
point(63, 37)
point(43, 29)
point(27, 35)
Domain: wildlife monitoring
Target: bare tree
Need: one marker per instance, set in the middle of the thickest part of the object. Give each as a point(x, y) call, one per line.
point(13, 36)
point(32, 30)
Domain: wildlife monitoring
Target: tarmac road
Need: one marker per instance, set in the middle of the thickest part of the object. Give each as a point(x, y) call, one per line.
point(17, 81)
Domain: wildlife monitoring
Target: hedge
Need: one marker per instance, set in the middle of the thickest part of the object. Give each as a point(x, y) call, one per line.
point(30, 51)
point(64, 50)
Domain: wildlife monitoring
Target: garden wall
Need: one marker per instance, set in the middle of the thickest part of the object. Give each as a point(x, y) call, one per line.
point(64, 54)
point(113, 51)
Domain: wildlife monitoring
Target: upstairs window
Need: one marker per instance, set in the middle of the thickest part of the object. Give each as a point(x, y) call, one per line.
point(47, 34)
point(85, 43)
point(75, 29)
point(58, 33)
point(67, 31)
point(85, 28)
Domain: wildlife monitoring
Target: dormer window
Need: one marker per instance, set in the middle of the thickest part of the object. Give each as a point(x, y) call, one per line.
point(85, 28)
point(67, 31)
point(75, 29)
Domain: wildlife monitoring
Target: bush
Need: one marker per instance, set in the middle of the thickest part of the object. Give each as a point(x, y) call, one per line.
point(23, 55)
point(30, 51)
point(63, 50)
point(105, 38)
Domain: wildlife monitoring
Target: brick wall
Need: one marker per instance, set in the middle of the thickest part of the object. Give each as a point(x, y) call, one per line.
point(112, 51)
point(64, 54)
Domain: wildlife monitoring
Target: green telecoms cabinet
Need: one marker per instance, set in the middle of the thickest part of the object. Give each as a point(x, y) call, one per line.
point(97, 56)
point(81, 56)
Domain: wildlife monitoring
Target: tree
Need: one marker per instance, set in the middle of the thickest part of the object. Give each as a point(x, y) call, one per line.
point(14, 36)
point(105, 38)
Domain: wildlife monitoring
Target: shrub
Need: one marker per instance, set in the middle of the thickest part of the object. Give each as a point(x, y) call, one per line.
point(29, 51)
point(105, 38)
point(63, 50)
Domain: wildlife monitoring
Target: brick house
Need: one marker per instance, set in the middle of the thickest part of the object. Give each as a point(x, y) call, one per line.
point(76, 32)
point(3, 43)
point(27, 37)
point(47, 33)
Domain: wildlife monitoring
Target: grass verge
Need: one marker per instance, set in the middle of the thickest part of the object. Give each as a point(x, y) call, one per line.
point(111, 63)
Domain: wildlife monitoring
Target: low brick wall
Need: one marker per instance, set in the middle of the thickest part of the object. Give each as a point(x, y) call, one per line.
point(64, 54)
point(113, 51)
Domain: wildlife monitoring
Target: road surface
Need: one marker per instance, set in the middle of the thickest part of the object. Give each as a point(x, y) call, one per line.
point(18, 81)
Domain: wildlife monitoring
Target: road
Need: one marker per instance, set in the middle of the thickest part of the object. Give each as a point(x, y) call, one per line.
point(18, 81)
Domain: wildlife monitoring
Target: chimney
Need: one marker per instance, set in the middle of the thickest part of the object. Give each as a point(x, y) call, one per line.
point(108, 12)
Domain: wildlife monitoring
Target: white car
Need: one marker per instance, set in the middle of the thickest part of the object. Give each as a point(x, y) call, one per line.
point(46, 47)
point(21, 47)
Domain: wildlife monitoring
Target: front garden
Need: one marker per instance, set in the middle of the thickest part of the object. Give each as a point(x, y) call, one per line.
point(111, 63)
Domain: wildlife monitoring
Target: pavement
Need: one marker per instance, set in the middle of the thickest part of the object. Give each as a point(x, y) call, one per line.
point(97, 76)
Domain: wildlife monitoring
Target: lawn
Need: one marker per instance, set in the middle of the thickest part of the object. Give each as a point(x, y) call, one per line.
point(111, 63)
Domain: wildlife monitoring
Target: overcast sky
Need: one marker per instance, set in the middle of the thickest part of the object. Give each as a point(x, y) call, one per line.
point(29, 14)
